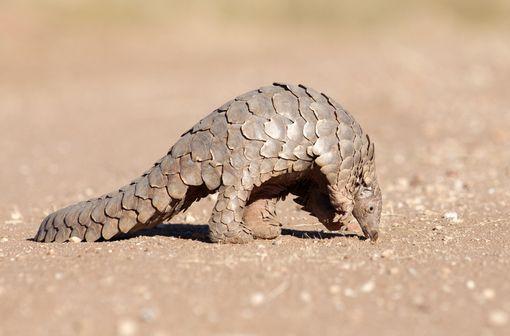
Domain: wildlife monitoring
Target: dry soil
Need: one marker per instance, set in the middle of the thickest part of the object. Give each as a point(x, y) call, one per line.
point(83, 111)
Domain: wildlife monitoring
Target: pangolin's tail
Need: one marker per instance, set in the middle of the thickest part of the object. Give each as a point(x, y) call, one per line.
point(156, 196)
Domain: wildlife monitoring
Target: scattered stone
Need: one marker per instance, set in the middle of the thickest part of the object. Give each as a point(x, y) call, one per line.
point(387, 253)
point(334, 289)
point(189, 219)
point(488, 294)
point(257, 299)
point(305, 297)
point(416, 180)
point(459, 185)
point(109, 280)
point(470, 284)
point(437, 228)
point(368, 286)
point(127, 327)
point(419, 301)
point(148, 314)
point(59, 276)
point(419, 207)
point(4, 239)
point(403, 183)
point(498, 318)
point(393, 270)
point(451, 216)
point(16, 217)
point(447, 239)
point(74, 239)
point(349, 292)
point(277, 242)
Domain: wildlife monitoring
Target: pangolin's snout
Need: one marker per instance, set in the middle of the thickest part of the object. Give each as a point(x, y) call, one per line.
point(374, 235)
point(369, 233)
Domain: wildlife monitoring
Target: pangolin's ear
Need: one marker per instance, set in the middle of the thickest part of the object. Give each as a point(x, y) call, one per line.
point(370, 149)
point(371, 152)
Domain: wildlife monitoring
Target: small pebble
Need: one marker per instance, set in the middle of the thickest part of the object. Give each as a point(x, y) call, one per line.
point(16, 217)
point(387, 253)
point(488, 293)
point(334, 289)
point(305, 297)
point(447, 239)
point(127, 327)
point(451, 216)
point(437, 228)
point(16, 214)
point(419, 301)
point(394, 270)
point(459, 185)
point(470, 284)
point(189, 218)
point(148, 314)
point(349, 292)
point(257, 299)
point(368, 286)
point(4, 239)
point(59, 276)
point(498, 318)
point(277, 242)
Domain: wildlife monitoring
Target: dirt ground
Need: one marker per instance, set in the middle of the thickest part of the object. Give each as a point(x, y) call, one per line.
point(86, 108)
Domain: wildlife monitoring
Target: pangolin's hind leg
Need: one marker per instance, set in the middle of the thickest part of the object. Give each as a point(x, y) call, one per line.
point(226, 222)
point(260, 218)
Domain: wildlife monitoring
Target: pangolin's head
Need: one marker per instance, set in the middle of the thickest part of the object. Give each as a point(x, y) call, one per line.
point(367, 197)
point(367, 209)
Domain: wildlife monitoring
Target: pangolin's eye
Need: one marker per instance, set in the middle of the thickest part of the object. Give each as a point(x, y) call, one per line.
point(371, 209)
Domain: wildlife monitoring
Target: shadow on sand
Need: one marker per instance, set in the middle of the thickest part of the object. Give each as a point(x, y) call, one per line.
point(200, 232)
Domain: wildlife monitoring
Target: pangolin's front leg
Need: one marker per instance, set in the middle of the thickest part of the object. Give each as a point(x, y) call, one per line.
point(226, 222)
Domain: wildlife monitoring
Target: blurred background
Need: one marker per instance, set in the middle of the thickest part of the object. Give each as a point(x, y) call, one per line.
point(93, 91)
point(71, 70)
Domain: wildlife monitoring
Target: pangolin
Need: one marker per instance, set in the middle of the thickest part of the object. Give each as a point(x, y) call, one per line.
point(277, 140)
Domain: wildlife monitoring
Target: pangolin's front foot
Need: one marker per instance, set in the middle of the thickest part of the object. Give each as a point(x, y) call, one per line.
point(226, 222)
point(260, 218)
point(242, 236)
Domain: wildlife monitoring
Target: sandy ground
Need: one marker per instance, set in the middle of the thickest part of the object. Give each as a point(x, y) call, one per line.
point(85, 111)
